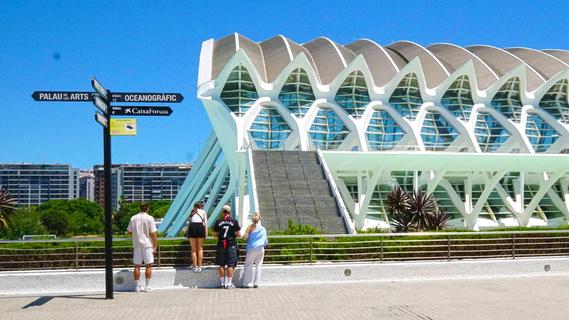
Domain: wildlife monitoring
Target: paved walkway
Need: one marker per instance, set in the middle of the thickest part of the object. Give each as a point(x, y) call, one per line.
point(512, 298)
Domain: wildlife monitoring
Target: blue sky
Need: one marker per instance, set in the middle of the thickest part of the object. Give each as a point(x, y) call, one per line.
point(155, 46)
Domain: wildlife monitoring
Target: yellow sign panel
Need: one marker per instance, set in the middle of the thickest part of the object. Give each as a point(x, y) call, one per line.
point(123, 127)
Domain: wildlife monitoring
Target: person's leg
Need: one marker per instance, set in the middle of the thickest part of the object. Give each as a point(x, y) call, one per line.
point(248, 270)
point(221, 272)
point(231, 261)
point(136, 273)
point(148, 274)
point(229, 278)
point(193, 247)
point(137, 260)
point(148, 261)
point(220, 261)
point(259, 257)
point(199, 245)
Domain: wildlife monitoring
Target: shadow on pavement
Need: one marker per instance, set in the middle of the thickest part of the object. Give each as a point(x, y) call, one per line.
point(38, 302)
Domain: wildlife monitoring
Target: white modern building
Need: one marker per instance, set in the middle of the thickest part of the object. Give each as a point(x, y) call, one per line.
point(485, 129)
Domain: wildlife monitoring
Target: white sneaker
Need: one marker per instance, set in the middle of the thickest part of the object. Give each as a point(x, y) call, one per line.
point(137, 289)
point(200, 269)
point(230, 286)
point(195, 269)
point(147, 289)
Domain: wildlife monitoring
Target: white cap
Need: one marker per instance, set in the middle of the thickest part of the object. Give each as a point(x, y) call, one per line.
point(226, 208)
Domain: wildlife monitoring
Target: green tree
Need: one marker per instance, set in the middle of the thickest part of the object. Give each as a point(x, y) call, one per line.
point(24, 221)
point(157, 209)
point(72, 217)
point(56, 222)
point(7, 206)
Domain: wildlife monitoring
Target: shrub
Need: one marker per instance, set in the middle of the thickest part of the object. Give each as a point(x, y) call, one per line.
point(299, 229)
point(157, 210)
point(55, 222)
point(72, 217)
point(415, 212)
point(24, 221)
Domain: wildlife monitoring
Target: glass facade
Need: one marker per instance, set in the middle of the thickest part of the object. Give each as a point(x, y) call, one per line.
point(546, 209)
point(327, 131)
point(239, 92)
point(444, 202)
point(406, 98)
point(458, 98)
point(269, 130)
point(377, 208)
point(382, 132)
point(508, 182)
point(353, 95)
point(404, 179)
point(494, 207)
point(508, 100)
point(297, 94)
point(555, 101)
point(437, 133)
point(489, 133)
point(541, 134)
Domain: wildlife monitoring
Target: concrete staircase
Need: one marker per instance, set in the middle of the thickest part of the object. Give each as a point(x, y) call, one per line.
point(292, 185)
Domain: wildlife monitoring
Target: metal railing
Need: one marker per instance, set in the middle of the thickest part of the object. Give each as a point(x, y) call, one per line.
point(444, 246)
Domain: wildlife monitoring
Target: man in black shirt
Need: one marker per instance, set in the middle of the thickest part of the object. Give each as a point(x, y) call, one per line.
point(226, 230)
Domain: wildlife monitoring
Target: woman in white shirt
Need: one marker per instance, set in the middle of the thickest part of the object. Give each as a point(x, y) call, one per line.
point(197, 232)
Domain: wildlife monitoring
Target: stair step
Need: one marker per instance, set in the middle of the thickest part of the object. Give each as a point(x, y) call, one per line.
point(292, 185)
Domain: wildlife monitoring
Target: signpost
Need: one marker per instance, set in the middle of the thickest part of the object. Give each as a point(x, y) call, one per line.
point(102, 99)
point(141, 111)
point(120, 97)
point(147, 97)
point(102, 102)
point(63, 96)
point(101, 119)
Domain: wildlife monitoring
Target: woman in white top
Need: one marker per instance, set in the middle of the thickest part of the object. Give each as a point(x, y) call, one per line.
point(197, 232)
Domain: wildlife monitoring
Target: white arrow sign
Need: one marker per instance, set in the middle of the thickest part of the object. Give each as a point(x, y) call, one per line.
point(101, 119)
point(99, 88)
point(99, 103)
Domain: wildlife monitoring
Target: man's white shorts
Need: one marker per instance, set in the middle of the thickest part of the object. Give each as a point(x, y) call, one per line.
point(143, 256)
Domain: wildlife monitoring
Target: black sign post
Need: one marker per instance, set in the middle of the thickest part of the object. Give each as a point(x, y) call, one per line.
point(102, 99)
point(102, 102)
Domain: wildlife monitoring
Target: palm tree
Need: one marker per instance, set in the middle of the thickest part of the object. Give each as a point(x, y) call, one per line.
point(438, 220)
point(7, 205)
point(421, 207)
point(397, 200)
point(397, 204)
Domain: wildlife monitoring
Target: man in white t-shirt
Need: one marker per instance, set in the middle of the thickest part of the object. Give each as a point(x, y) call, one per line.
point(144, 241)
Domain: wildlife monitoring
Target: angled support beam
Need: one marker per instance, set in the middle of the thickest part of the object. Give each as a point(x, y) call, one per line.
point(434, 179)
point(543, 188)
point(471, 217)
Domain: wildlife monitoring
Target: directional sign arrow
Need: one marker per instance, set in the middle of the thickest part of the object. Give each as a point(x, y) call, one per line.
point(83, 96)
point(101, 119)
point(99, 88)
point(63, 96)
point(141, 111)
point(101, 104)
point(146, 97)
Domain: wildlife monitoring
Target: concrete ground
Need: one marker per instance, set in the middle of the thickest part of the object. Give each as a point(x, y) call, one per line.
point(507, 298)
